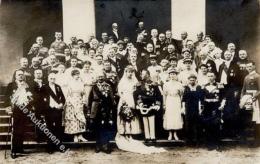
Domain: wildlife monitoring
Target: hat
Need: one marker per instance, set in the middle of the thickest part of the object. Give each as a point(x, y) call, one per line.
point(120, 42)
point(204, 65)
point(173, 70)
point(173, 58)
point(185, 50)
point(153, 56)
point(192, 76)
point(187, 61)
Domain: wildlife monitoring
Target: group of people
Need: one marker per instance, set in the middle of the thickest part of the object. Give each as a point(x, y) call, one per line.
point(118, 88)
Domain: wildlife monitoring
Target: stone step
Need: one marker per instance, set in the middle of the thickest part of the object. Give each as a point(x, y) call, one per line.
point(4, 119)
point(28, 136)
point(5, 128)
point(2, 112)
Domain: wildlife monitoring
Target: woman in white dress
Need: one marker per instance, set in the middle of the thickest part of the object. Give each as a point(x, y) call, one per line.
point(126, 87)
point(75, 121)
point(88, 79)
point(173, 91)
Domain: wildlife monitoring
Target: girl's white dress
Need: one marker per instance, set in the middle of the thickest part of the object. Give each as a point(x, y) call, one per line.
point(173, 91)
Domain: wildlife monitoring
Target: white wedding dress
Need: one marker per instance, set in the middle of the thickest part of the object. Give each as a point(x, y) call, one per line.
point(135, 146)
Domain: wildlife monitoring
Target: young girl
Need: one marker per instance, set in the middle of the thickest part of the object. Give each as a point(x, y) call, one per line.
point(173, 91)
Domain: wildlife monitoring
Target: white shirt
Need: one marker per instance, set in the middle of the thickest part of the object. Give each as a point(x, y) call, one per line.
point(53, 103)
point(223, 79)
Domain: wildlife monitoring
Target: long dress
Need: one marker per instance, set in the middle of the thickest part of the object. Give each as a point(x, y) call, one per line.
point(125, 90)
point(75, 121)
point(173, 112)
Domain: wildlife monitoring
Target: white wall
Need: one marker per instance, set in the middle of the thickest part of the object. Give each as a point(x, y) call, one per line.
point(188, 15)
point(78, 19)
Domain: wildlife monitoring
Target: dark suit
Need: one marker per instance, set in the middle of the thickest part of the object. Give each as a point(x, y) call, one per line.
point(39, 103)
point(53, 116)
point(118, 64)
point(211, 66)
point(20, 119)
point(231, 109)
point(176, 43)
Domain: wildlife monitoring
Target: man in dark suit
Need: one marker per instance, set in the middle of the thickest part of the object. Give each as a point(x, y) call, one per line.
point(38, 87)
point(175, 42)
point(116, 62)
point(229, 77)
point(115, 32)
point(55, 101)
point(15, 97)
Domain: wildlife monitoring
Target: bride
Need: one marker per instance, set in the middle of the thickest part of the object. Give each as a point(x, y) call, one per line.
point(128, 122)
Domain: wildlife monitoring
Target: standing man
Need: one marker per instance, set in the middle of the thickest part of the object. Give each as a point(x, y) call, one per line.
point(38, 88)
point(115, 33)
point(19, 97)
point(58, 44)
point(229, 77)
point(102, 107)
point(55, 101)
point(251, 88)
point(214, 103)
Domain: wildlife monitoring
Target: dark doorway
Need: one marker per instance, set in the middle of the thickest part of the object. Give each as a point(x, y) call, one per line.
point(127, 13)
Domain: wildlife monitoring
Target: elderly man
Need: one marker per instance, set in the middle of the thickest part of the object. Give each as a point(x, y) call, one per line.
point(161, 45)
point(24, 66)
point(104, 38)
point(141, 30)
point(73, 42)
point(231, 47)
point(34, 51)
point(171, 52)
point(115, 32)
point(19, 97)
point(170, 40)
point(55, 101)
point(229, 77)
point(116, 62)
point(184, 38)
point(154, 38)
point(58, 44)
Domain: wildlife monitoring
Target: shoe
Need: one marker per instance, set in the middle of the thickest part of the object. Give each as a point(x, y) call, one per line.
point(153, 140)
point(97, 149)
point(176, 137)
point(82, 139)
point(13, 155)
point(170, 138)
point(107, 151)
point(146, 140)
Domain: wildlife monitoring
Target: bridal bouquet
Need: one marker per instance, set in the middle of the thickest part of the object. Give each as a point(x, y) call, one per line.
point(126, 113)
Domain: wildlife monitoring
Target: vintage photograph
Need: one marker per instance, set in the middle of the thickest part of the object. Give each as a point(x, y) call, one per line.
point(130, 81)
